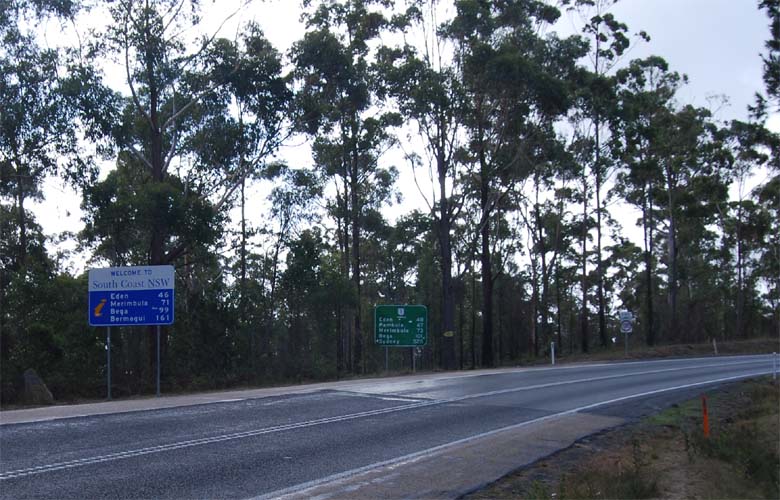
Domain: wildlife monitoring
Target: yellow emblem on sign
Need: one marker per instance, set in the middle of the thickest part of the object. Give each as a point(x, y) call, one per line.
point(99, 308)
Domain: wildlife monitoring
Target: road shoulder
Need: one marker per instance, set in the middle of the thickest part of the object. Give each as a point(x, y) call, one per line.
point(666, 455)
point(459, 467)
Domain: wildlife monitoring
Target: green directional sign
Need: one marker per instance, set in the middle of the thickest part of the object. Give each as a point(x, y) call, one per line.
point(400, 325)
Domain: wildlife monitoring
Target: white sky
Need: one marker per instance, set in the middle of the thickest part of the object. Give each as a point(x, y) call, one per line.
point(717, 43)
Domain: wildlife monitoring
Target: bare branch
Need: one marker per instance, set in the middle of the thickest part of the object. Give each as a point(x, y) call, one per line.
point(134, 94)
point(140, 157)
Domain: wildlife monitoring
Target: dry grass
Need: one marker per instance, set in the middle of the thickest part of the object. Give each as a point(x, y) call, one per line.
point(666, 456)
point(641, 351)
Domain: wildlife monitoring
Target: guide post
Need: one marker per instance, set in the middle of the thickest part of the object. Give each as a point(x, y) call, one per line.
point(131, 296)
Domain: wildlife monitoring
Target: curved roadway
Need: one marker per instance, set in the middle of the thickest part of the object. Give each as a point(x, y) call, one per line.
point(436, 435)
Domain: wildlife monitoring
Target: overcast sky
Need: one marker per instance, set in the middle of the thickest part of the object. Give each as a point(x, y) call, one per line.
point(717, 43)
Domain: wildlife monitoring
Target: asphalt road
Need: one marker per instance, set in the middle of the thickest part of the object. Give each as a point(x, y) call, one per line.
point(297, 443)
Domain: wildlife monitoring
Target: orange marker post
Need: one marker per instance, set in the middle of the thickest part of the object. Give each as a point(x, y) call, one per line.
point(705, 416)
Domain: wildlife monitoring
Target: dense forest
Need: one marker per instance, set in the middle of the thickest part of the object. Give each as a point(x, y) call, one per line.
point(533, 150)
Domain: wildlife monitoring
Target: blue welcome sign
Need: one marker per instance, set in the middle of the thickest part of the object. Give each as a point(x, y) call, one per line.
point(131, 296)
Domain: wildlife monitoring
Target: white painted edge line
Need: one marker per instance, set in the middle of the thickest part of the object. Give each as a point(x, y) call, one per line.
point(303, 488)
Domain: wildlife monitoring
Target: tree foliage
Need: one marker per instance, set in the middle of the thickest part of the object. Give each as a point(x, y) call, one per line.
point(539, 152)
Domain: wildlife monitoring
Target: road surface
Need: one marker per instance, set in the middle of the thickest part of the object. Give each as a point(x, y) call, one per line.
point(434, 435)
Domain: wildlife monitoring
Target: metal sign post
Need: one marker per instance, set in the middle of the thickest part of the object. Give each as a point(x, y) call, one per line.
point(625, 336)
point(552, 352)
point(108, 360)
point(158, 361)
point(131, 296)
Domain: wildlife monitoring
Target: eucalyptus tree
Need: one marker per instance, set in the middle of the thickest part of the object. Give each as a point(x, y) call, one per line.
point(239, 127)
point(252, 131)
point(767, 197)
point(609, 40)
point(745, 221)
point(516, 82)
point(177, 95)
point(293, 201)
point(37, 133)
point(690, 163)
point(768, 193)
point(182, 152)
point(646, 91)
point(424, 83)
point(547, 227)
point(337, 77)
point(672, 153)
point(39, 138)
point(306, 350)
point(771, 59)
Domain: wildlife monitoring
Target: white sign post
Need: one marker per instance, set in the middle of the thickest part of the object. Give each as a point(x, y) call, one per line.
point(131, 296)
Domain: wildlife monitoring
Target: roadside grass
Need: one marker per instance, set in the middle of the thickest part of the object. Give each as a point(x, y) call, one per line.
point(638, 350)
point(667, 456)
point(749, 442)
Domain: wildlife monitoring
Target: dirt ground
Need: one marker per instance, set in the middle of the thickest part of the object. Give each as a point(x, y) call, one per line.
point(666, 455)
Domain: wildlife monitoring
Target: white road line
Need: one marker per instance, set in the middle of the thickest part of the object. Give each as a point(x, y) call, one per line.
point(303, 488)
point(197, 442)
point(436, 377)
point(570, 382)
point(281, 428)
point(358, 386)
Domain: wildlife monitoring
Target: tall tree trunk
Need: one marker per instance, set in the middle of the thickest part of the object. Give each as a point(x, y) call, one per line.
point(599, 263)
point(557, 268)
point(558, 306)
point(584, 281)
point(487, 272)
point(356, 213)
point(21, 256)
point(445, 246)
point(543, 310)
point(672, 248)
point(647, 222)
point(473, 311)
point(346, 317)
point(740, 276)
point(533, 342)
point(157, 243)
point(242, 279)
point(271, 304)
point(461, 334)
